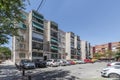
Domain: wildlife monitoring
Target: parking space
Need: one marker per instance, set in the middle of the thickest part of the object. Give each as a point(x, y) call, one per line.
point(89, 71)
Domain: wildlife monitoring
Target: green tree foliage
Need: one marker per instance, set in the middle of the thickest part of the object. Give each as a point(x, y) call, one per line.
point(117, 56)
point(109, 54)
point(5, 52)
point(10, 15)
point(97, 55)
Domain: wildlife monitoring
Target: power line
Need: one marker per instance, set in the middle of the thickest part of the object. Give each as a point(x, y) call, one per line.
point(40, 5)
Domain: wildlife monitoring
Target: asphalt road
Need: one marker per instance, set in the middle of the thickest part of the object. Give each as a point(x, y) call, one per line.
point(74, 72)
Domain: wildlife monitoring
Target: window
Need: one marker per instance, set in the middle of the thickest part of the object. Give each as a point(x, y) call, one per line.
point(54, 56)
point(22, 55)
point(36, 45)
point(37, 37)
point(37, 54)
point(22, 46)
point(21, 38)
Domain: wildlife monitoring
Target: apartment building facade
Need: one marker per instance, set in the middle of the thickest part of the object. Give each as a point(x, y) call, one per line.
point(85, 50)
point(77, 47)
point(52, 39)
point(61, 39)
point(72, 46)
point(42, 39)
point(20, 44)
point(31, 38)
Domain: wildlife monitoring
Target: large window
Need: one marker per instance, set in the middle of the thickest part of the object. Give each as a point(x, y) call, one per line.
point(37, 37)
point(54, 34)
point(36, 45)
point(37, 54)
point(54, 56)
point(21, 55)
point(22, 46)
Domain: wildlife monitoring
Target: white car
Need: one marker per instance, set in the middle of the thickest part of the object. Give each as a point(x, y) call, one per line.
point(113, 64)
point(111, 72)
point(80, 62)
point(53, 62)
point(62, 62)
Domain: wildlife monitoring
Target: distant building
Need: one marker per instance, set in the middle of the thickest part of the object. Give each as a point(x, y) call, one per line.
point(112, 46)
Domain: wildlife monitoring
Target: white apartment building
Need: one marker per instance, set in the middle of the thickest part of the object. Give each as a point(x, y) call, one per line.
point(72, 46)
point(85, 50)
point(61, 39)
point(29, 43)
point(51, 29)
point(42, 39)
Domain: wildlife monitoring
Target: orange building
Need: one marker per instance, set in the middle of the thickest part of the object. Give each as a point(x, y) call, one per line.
point(113, 46)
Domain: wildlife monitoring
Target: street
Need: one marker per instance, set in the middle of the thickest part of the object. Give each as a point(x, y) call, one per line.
point(87, 71)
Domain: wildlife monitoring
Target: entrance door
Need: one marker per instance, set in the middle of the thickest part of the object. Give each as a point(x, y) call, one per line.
point(45, 58)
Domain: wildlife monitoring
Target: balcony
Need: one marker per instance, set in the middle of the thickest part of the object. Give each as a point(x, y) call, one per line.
point(54, 40)
point(38, 20)
point(37, 39)
point(36, 25)
point(55, 27)
point(22, 25)
point(54, 47)
point(35, 14)
point(23, 16)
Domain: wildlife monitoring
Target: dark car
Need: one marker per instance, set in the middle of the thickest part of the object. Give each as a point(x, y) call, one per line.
point(27, 64)
point(39, 63)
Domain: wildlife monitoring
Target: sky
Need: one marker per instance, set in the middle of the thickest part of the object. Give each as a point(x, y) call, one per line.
point(95, 21)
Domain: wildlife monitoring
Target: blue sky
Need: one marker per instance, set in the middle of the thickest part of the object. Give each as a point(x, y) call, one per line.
point(96, 21)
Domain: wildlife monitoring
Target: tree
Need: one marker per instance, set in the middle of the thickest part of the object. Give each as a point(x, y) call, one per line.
point(109, 54)
point(117, 55)
point(10, 15)
point(97, 55)
point(5, 52)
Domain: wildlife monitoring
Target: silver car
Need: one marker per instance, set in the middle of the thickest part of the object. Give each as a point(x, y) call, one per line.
point(27, 64)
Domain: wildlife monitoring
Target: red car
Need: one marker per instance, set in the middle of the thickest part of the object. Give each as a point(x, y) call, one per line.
point(88, 61)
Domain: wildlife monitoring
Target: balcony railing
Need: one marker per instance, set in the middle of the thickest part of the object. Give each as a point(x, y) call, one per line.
point(36, 25)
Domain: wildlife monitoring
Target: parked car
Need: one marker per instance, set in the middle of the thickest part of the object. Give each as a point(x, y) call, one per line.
point(39, 63)
point(80, 62)
point(62, 62)
point(53, 62)
point(111, 72)
point(27, 64)
point(113, 64)
point(88, 61)
point(67, 62)
point(71, 62)
point(74, 60)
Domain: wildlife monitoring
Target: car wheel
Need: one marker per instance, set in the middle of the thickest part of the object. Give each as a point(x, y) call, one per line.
point(114, 75)
point(51, 65)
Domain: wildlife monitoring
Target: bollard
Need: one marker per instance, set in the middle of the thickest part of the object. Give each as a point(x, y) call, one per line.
point(23, 72)
point(29, 77)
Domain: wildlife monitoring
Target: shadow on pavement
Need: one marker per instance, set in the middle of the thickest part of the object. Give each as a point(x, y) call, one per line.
point(46, 75)
point(53, 75)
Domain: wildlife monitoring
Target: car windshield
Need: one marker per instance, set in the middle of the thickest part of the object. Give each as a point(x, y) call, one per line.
point(49, 60)
point(26, 61)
